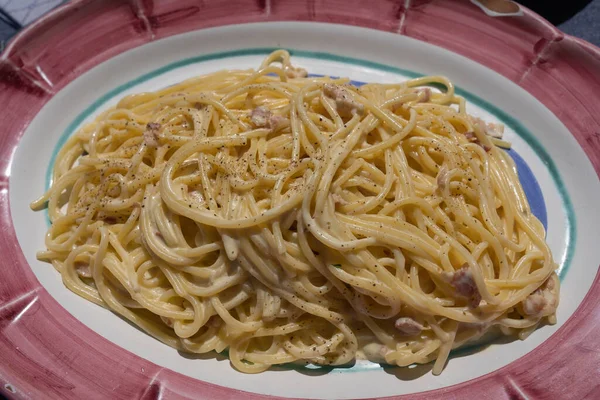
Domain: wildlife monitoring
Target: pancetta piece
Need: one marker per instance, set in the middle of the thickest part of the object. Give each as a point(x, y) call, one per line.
point(345, 105)
point(464, 284)
point(408, 326)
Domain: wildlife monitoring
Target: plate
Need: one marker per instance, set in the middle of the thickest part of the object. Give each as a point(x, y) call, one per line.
point(513, 68)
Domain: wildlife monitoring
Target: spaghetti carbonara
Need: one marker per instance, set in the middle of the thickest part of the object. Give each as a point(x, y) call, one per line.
point(288, 218)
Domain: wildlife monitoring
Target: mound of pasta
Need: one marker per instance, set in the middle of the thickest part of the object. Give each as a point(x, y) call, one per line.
point(287, 218)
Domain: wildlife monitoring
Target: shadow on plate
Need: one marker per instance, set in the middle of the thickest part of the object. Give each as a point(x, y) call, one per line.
point(409, 373)
point(213, 355)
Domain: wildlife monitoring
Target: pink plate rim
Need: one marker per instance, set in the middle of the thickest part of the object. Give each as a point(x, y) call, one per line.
point(45, 352)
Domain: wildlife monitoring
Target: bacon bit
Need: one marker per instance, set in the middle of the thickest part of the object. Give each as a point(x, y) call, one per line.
point(151, 134)
point(277, 122)
point(443, 179)
point(168, 321)
point(463, 283)
point(495, 130)
point(543, 301)
point(424, 94)
point(375, 352)
point(159, 235)
point(473, 139)
point(346, 106)
point(83, 269)
point(295, 72)
point(489, 128)
point(262, 117)
point(408, 326)
point(196, 196)
point(199, 106)
point(114, 191)
point(478, 122)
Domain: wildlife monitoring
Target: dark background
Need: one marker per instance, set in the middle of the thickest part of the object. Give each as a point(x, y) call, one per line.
point(557, 11)
point(580, 18)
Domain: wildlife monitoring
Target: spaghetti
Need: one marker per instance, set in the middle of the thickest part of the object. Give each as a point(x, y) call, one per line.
point(287, 218)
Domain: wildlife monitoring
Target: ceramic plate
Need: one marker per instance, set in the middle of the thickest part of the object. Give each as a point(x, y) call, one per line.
point(512, 67)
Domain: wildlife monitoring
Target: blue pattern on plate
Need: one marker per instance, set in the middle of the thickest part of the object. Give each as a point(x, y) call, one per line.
point(531, 187)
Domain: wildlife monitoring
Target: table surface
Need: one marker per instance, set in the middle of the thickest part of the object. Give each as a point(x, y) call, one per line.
point(586, 24)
